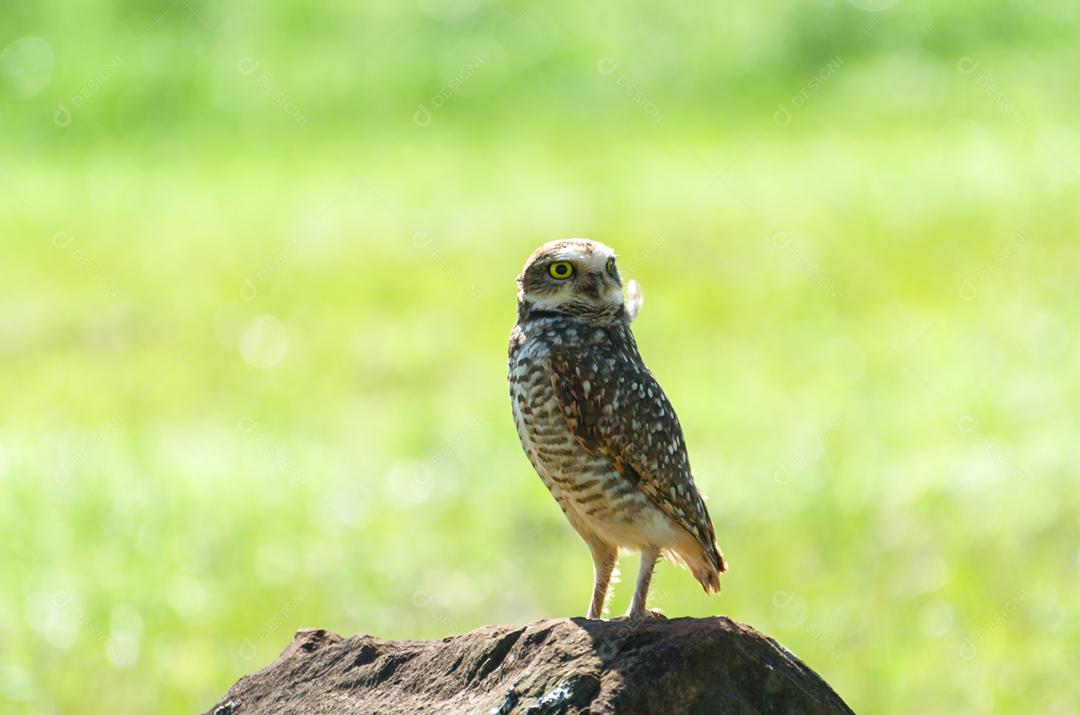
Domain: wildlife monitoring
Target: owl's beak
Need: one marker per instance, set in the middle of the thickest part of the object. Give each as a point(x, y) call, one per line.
point(597, 284)
point(591, 284)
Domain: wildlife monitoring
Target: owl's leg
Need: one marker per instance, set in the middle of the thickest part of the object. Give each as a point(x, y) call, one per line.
point(649, 555)
point(604, 557)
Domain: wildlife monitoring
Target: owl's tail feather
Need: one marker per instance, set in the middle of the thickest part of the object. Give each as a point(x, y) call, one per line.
point(706, 565)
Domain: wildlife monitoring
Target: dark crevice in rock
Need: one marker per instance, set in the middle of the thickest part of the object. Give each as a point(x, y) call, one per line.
point(367, 653)
point(496, 655)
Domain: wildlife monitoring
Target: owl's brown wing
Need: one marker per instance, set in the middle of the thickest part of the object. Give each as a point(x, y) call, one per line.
point(615, 407)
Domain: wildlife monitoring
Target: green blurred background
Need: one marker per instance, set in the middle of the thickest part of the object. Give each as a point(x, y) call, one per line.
point(256, 280)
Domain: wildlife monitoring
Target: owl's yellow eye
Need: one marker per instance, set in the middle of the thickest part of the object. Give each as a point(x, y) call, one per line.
point(561, 269)
point(611, 266)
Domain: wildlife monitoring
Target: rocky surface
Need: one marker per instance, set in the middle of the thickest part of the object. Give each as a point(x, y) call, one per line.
point(685, 665)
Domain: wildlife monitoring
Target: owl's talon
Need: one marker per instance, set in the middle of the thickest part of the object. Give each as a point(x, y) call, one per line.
point(646, 615)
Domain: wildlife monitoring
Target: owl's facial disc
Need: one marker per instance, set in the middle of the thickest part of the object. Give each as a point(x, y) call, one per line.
point(575, 276)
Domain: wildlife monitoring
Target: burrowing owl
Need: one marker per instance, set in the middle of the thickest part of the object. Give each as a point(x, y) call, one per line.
point(596, 425)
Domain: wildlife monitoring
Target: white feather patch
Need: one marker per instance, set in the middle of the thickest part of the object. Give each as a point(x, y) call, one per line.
point(635, 298)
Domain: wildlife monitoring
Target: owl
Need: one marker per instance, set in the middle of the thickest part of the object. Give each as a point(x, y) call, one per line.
point(596, 425)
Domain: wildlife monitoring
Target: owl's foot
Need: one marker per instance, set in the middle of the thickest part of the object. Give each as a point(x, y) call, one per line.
point(643, 615)
point(637, 611)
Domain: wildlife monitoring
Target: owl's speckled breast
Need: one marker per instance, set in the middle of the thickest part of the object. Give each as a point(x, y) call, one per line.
point(544, 434)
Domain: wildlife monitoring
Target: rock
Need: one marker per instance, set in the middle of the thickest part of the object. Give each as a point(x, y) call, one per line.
point(685, 665)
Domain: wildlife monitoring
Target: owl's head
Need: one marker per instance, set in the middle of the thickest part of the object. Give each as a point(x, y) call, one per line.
point(578, 277)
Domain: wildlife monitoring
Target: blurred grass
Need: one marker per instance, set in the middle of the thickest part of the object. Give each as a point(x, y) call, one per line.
point(254, 366)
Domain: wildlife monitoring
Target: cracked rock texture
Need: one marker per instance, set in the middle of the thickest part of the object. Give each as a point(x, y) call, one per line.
point(685, 665)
